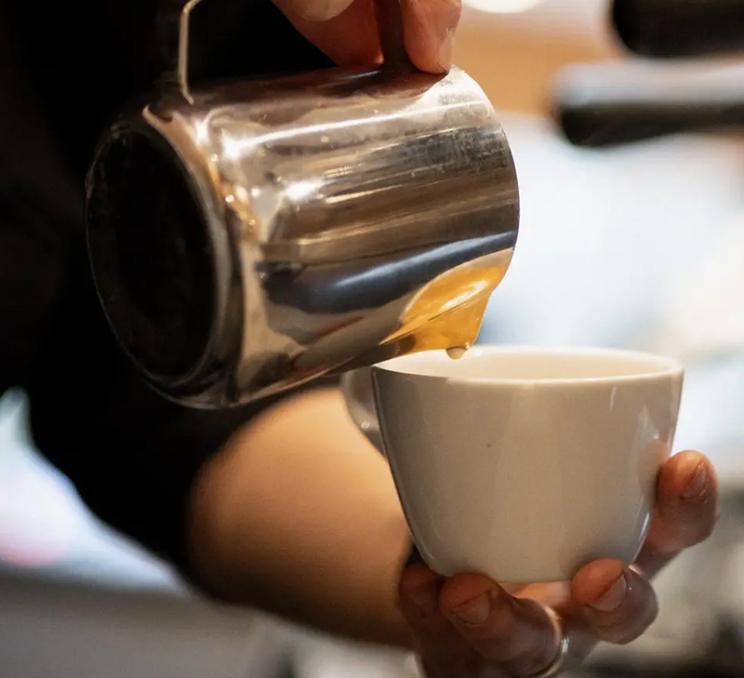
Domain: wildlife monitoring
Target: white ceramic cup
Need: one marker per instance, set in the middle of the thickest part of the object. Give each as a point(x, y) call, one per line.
point(524, 464)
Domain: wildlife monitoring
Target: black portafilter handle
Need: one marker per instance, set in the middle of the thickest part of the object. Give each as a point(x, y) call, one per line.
point(676, 28)
point(609, 104)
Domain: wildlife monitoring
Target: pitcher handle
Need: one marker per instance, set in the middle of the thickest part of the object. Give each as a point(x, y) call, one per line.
point(177, 19)
point(173, 24)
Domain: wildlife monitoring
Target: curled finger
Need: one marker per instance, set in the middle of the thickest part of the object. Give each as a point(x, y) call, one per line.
point(313, 10)
point(429, 29)
point(344, 30)
point(617, 603)
point(520, 637)
point(443, 652)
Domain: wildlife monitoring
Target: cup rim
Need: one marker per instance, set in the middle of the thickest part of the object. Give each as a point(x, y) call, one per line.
point(659, 366)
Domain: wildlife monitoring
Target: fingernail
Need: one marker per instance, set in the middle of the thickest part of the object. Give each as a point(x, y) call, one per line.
point(446, 50)
point(697, 484)
point(475, 612)
point(424, 599)
point(613, 597)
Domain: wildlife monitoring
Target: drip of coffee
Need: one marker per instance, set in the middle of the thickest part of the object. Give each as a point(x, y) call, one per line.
point(448, 312)
point(456, 352)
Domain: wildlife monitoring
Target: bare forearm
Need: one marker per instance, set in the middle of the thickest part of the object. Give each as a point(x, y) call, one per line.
point(298, 515)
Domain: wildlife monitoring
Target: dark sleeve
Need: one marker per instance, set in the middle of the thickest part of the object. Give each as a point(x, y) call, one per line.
point(131, 454)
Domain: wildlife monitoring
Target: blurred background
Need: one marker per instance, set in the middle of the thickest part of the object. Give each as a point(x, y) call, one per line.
point(638, 245)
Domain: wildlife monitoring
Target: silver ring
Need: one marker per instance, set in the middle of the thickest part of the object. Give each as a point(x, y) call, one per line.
point(557, 665)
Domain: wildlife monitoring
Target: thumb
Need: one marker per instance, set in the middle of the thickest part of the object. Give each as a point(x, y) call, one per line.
point(313, 10)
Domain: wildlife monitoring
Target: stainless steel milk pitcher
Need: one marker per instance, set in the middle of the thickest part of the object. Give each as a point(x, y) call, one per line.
point(249, 236)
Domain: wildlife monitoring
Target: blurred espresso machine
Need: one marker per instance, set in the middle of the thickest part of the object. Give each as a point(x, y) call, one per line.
point(668, 92)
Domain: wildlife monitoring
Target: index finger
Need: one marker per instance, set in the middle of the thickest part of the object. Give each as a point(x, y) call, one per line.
point(347, 31)
point(429, 32)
